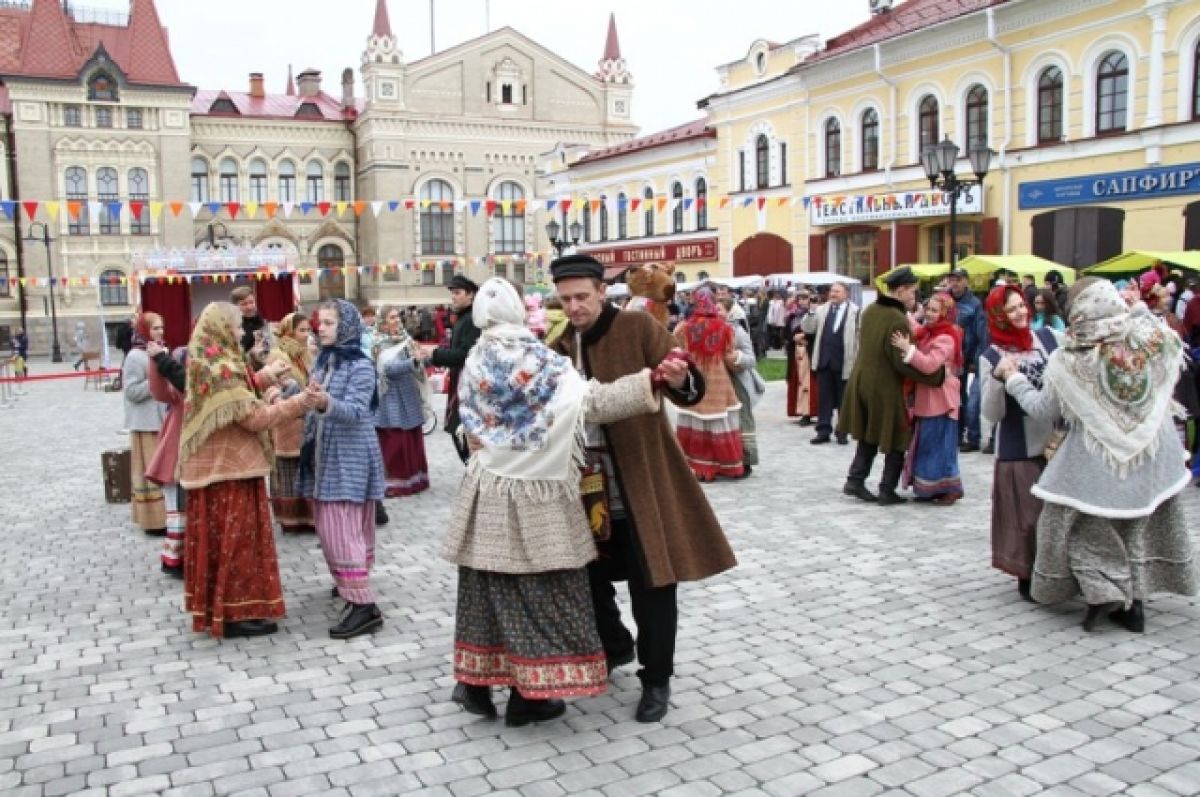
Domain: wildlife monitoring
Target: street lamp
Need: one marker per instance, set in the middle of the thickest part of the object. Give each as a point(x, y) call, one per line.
point(44, 236)
point(938, 161)
point(553, 228)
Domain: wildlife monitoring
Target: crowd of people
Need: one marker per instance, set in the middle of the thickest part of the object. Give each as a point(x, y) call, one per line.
point(576, 478)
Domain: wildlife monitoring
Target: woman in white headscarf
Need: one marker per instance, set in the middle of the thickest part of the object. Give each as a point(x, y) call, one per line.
point(518, 531)
point(1111, 528)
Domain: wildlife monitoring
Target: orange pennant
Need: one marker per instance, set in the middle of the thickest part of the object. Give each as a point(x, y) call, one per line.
point(270, 208)
point(176, 208)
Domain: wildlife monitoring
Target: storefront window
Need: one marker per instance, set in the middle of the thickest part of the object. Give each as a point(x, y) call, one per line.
point(853, 254)
point(970, 234)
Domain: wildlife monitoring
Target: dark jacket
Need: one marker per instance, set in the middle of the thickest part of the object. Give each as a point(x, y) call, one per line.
point(249, 327)
point(462, 339)
point(973, 321)
point(171, 370)
point(125, 337)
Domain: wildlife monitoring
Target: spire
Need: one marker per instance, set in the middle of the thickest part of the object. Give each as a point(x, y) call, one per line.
point(150, 58)
point(291, 84)
point(48, 49)
point(383, 26)
point(612, 47)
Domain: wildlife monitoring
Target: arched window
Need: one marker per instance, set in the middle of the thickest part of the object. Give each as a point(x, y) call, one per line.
point(1112, 93)
point(1050, 106)
point(109, 194)
point(977, 117)
point(332, 282)
point(928, 121)
point(341, 182)
point(648, 212)
point(510, 223)
point(287, 181)
point(139, 191)
point(585, 218)
point(315, 181)
point(701, 204)
point(437, 218)
point(199, 180)
point(112, 292)
point(77, 201)
point(677, 210)
point(833, 148)
point(228, 182)
point(622, 216)
point(4, 289)
point(102, 88)
point(870, 140)
point(258, 180)
point(762, 161)
point(603, 217)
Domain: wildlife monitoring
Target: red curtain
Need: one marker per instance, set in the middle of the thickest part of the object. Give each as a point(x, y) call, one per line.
point(276, 297)
point(174, 304)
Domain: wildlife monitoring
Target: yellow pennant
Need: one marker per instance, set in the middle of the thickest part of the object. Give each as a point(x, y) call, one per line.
point(52, 208)
point(251, 209)
point(156, 210)
point(341, 208)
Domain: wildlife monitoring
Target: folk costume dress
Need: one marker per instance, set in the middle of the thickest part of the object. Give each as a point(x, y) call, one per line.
point(1113, 529)
point(710, 432)
point(231, 572)
point(168, 385)
point(931, 466)
point(340, 465)
point(143, 418)
point(293, 512)
point(401, 413)
point(801, 389)
point(517, 531)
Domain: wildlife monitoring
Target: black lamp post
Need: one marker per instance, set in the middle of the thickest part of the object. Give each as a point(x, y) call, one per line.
point(40, 231)
point(560, 244)
point(938, 161)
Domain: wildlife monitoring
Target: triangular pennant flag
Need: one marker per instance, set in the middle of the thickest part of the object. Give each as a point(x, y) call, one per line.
point(491, 207)
point(194, 207)
point(135, 209)
point(214, 208)
point(232, 208)
point(520, 207)
point(425, 203)
point(393, 204)
point(747, 201)
point(73, 208)
point(95, 208)
point(475, 205)
point(155, 210)
point(565, 204)
point(724, 203)
point(324, 208)
point(376, 207)
point(30, 208)
point(341, 208)
point(550, 203)
point(781, 202)
point(446, 204)
point(762, 200)
point(595, 203)
point(251, 209)
point(687, 203)
point(9, 207)
point(288, 207)
point(176, 208)
point(662, 203)
point(305, 207)
point(269, 208)
point(114, 210)
point(409, 204)
point(52, 210)
point(635, 203)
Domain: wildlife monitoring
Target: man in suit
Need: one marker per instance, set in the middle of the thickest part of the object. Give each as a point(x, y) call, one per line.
point(834, 328)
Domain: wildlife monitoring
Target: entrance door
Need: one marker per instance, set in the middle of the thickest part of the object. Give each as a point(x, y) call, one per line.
point(761, 255)
point(332, 284)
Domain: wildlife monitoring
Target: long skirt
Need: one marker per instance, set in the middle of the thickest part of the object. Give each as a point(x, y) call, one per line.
point(931, 468)
point(1015, 512)
point(347, 532)
point(800, 385)
point(404, 461)
point(1110, 561)
point(230, 569)
point(148, 507)
point(172, 550)
point(712, 446)
point(747, 425)
point(292, 511)
point(536, 632)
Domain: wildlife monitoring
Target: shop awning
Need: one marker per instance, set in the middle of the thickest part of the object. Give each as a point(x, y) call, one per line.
point(1138, 261)
point(981, 268)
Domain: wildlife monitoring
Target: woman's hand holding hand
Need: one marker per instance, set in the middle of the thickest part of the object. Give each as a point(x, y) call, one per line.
point(900, 341)
point(1005, 368)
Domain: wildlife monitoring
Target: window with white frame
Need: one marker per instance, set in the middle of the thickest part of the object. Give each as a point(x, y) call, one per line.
point(139, 191)
point(677, 207)
point(437, 218)
point(199, 180)
point(648, 212)
point(287, 181)
point(1050, 106)
point(258, 180)
point(929, 121)
point(509, 219)
point(977, 117)
point(869, 127)
point(315, 181)
point(833, 147)
point(341, 182)
point(108, 192)
point(1112, 93)
point(228, 180)
point(77, 192)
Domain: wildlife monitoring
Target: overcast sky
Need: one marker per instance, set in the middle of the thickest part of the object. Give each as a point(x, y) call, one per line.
point(672, 47)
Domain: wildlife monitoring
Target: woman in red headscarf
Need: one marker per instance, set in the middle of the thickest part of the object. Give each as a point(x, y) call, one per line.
point(143, 418)
point(709, 432)
point(1020, 440)
point(931, 467)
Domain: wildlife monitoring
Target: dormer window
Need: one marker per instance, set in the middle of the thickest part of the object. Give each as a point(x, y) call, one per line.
point(308, 110)
point(508, 77)
point(223, 105)
point(760, 63)
point(102, 87)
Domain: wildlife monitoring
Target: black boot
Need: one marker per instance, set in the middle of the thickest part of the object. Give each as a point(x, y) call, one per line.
point(859, 491)
point(1025, 589)
point(1093, 615)
point(889, 497)
point(248, 628)
point(360, 618)
point(655, 702)
point(381, 515)
point(893, 467)
point(1133, 618)
point(522, 711)
point(475, 699)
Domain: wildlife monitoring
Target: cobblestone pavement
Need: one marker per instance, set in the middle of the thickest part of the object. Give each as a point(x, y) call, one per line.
point(855, 650)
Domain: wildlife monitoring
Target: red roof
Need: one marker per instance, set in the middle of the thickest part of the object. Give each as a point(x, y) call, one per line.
point(271, 106)
point(906, 17)
point(43, 41)
point(686, 132)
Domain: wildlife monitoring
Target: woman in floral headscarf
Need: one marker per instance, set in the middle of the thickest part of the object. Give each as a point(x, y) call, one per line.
point(293, 512)
point(340, 465)
point(1112, 527)
point(518, 531)
point(709, 432)
point(230, 570)
point(1020, 440)
point(401, 413)
point(143, 418)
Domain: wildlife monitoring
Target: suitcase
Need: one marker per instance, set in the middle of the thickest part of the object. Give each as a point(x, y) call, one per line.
point(118, 483)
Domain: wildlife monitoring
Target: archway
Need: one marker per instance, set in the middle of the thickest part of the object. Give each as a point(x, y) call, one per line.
point(762, 254)
point(332, 282)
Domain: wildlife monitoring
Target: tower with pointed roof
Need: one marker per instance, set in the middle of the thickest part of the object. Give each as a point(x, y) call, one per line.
point(614, 74)
point(383, 63)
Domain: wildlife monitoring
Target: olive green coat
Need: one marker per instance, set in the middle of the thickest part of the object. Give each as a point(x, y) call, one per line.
point(873, 409)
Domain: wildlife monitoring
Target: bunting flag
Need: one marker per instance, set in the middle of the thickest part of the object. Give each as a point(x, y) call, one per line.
point(176, 208)
point(324, 208)
point(359, 207)
point(270, 208)
point(305, 207)
point(51, 210)
point(724, 203)
point(251, 209)
point(491, 207)
point(762, 201)
point(94, 209)
point(8, 207)
point(565, 204)
point(340, 208)
point(31, 209)
point(73, 208)
point(232, 209)
point(520, 205)
point(661, 203)
point(288, 207)
point(635, 203)
point(136, 209)
point(475, 205)
point(377, 207)
point(213, 208)
point(195, 208)
point(156, 210)
point(687, 203)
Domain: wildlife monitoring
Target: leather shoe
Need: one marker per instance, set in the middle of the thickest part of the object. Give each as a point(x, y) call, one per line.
point(843, 440)
point(860, 492)
point(475, 699)
point(816, 441)
point(248, 628)
point(174, 571)
point(615, 660)
point(361, 618)
point(1025, 589)
point(889, 497)
point(522, 711)
point(654, 703)
point(1133, 618)
point(381, 515)
point(805, 421)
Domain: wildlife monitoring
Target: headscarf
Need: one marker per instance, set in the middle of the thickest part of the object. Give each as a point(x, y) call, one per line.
point(295, 352)
point(523, 401)
point(944, 326)
point(142, 334)
point(707, 336)
point(1001, 330)
point(1116, 375)
point(389, 345)
point(348, 345)
point(218, 390)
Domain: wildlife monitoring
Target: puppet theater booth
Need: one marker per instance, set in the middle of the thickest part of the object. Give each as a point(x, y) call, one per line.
point(178, 285)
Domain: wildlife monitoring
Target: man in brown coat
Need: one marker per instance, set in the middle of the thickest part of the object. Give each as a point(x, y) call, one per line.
point(663, 530)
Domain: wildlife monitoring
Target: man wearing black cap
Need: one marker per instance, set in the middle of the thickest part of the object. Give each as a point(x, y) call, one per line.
point(662, 529)
point(874, 411)
point(462, 338)
point(975, 339)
